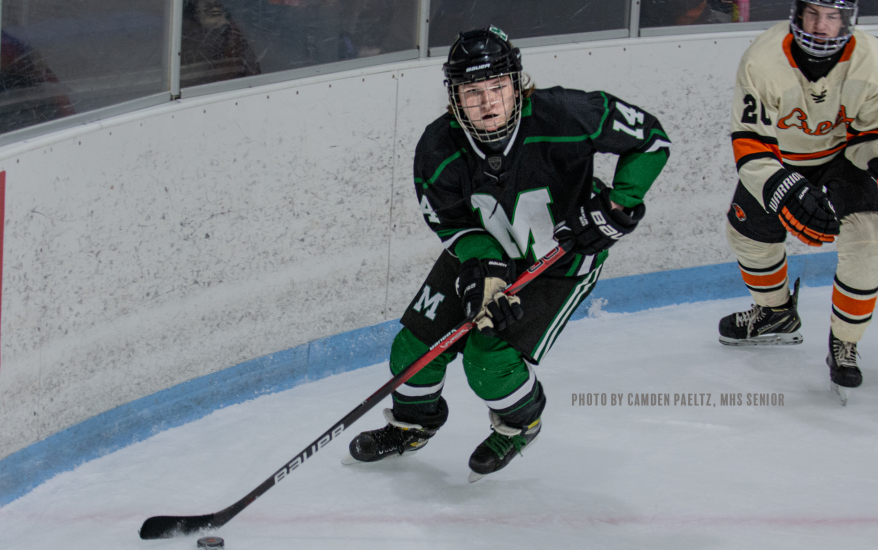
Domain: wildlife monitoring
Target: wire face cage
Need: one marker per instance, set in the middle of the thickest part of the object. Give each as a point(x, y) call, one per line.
point(838, 15)
point(488, 108)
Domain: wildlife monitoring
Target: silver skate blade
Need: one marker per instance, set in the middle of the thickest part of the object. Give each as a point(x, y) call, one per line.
point(840, 392)
point(786, 339)
point(347, 460)
point(473, 476)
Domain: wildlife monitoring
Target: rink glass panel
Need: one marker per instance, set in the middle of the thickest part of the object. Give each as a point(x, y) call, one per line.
point(867, 8)
point(227, 39)
point(672, 13)
point(524, 18)
point(63, 57)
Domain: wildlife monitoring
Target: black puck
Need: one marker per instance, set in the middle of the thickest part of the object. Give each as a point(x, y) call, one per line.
point(211, 542)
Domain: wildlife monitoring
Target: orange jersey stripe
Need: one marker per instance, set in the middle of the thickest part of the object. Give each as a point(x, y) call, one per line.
point(817, 155)
point(772, 279)
point(748, 146)
point(852, 306)
point(850, 135)
point(787, 43)
point(848, 50)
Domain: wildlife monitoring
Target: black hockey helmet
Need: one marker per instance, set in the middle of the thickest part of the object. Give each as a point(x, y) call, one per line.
point(822, 46)
point(478, 56)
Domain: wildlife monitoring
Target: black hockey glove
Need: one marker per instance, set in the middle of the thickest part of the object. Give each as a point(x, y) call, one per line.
point(803, 209)
point(480, 285)
point(597, 226)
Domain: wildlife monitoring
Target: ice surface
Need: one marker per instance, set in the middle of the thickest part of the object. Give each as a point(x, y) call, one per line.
point(795, 476)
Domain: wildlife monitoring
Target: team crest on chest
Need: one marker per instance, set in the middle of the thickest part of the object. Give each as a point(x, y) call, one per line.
point(798, 119)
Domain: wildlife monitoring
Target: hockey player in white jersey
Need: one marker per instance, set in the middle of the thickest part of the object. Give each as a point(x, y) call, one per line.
point(805, 140)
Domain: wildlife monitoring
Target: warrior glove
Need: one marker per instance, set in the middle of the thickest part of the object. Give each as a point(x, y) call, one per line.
point(803, 209)
point(597, 226)
point(480, 285)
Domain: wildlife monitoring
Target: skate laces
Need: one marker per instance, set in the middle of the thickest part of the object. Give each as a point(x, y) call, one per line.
point(391, 437)
point(501, 444)
point(750, 318)
point(845, 353)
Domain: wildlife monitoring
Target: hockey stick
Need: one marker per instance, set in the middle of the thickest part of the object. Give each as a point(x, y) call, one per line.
point(161, 527)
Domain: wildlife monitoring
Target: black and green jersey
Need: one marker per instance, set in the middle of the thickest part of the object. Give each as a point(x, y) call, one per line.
point(506, 204)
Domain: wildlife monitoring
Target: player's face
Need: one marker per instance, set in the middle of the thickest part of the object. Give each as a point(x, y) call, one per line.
point(488, 104)
point(210, 14)
point(821, 21)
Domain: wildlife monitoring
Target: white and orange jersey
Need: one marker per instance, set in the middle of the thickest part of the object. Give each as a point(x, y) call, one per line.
point(780, 117)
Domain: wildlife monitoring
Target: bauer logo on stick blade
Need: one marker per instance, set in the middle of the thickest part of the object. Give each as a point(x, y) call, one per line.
point(211, 542)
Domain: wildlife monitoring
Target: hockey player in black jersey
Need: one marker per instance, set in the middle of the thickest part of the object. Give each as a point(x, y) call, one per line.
point(501, 178)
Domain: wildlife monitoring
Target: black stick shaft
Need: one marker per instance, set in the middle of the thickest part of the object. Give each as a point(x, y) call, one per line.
point(159, 527)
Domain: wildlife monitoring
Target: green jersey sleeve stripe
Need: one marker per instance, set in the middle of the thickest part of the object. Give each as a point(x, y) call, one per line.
point(527, 107)
point(442, 166)
point(603, 117)
point(573, 139)
point(555, 139)
point(655, 131)
point(648, 141)
point(450, 241)
point(478, 244)
point(635, 174)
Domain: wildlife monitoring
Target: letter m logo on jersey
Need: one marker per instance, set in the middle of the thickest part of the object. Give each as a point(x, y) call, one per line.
point(531, 227)
point(427, 304)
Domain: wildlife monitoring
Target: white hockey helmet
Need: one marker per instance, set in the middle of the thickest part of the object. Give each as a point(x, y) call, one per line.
point(818, 44)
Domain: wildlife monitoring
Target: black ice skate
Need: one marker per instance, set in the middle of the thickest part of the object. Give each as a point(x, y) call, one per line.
point(763, 326)
point(394, 439)
point(501, 447)
point(843, 370)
